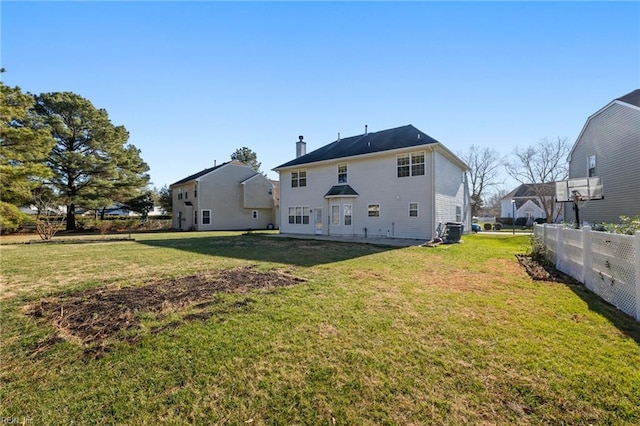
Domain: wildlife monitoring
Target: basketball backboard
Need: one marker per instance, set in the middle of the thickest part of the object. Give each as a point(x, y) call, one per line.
point(579, 189)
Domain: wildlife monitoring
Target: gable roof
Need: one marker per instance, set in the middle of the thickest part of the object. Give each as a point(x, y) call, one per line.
point(341, 191)
point(385, 140)
point(199, 174)
point(532, 190)
point(632, 98)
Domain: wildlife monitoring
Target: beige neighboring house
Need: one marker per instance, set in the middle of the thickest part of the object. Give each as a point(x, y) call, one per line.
point(231, 196)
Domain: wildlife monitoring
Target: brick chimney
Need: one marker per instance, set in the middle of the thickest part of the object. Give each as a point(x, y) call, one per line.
point(301, 147)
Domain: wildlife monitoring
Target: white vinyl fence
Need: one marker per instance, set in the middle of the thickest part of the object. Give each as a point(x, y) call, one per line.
point(608, 264)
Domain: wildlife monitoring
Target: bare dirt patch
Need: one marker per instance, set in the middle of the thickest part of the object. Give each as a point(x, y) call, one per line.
point(543, 272)
point(91, 316)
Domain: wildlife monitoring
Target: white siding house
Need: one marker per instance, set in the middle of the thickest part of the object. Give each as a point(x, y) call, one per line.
point(609, 147)
point(231, 196)
point(525, 202)
point(397, 183)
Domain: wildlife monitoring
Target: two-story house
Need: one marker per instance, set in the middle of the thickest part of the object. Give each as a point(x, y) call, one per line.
point(230, 196)
point(398, 183)
point(608, 147)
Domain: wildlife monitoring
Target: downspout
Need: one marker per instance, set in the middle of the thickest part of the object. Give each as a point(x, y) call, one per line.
point(433, 193)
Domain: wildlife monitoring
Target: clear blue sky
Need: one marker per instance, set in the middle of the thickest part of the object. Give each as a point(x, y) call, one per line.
point(193, 81)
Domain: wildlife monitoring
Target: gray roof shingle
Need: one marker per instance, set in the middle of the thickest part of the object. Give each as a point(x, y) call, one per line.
point(341, 191)
point(632, 98)
point(199, 174)
point(384, 140)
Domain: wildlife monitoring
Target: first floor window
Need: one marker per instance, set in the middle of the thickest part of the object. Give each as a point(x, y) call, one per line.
point(413, 209)
point(206, 217)
point(298, 215)
point(458, 214)
point(335, 215)
point(348, 213)
point(373, 210)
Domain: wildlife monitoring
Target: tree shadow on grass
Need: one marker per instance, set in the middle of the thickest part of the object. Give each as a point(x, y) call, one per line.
point(623, 322)
point(263, 248)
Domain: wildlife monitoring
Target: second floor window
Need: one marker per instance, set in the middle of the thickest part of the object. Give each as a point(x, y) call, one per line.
point(410, 164)
point(592, 165)
point(298, 178)
point(342, 173)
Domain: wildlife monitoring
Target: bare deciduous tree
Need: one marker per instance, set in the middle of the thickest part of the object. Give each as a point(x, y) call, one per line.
point(484, 165)
point(542, 164)
point(493, 205)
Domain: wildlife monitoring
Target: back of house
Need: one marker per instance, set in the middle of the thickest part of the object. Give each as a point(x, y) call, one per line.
point(398, 183)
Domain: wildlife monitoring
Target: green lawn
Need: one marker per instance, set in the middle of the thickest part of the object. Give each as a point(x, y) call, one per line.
point(456, 334)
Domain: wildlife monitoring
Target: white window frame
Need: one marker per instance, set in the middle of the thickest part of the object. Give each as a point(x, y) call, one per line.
point(299, 178)
point(345, 173)
point(202, 217)
point(411, 164)
point(335, 218)
point(299, 215)
point(347, 208)
point(591, 165)
point(416, 209)
point(375, 211)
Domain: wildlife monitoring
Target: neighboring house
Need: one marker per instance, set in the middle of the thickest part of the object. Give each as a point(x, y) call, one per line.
point(231, 196)
point(525, 201)
point(394, 183)
point(609, 147)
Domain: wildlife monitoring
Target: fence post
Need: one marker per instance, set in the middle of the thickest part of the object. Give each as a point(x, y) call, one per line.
point(559, 260)
point(587, 257)
point(636, 244)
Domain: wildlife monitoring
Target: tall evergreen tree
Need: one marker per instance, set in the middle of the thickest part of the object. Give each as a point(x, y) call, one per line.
point(24, 145)
point(90, 162)
point(247, 156)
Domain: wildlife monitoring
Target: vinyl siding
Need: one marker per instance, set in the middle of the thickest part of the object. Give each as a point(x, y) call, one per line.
point(221, 192)
point(375, 180)
point(613, 135)
point(449, 186)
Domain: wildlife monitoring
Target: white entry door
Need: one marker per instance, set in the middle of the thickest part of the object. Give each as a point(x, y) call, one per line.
point(318, 220)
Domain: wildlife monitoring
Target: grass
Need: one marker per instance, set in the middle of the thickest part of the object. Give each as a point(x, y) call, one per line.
point(456, 334)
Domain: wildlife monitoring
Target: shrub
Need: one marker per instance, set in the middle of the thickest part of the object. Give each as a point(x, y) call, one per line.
point(498, 226)
point(11, 218)
point(627, 225)
point(505, 220)
point(521, 221)
point(540, 220)
point(487, 227)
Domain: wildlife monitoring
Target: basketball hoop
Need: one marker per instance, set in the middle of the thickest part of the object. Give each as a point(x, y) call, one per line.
point(579, 199)
point(579, 191)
